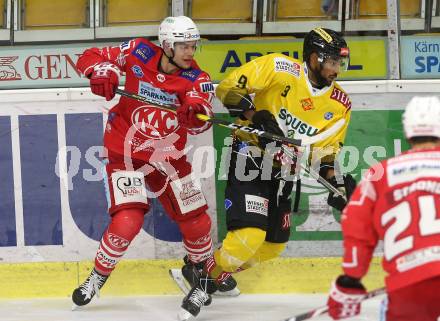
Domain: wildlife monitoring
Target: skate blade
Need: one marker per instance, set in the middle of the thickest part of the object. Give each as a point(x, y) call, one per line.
point(75, 307)
point(184, 315)
point(231, 293)
point(176, 275)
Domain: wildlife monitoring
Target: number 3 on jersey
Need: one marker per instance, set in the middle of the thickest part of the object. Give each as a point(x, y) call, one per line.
point(285, 91)
point(428, 225)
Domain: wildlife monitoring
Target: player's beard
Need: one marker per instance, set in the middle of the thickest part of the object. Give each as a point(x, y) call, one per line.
point(321, 81)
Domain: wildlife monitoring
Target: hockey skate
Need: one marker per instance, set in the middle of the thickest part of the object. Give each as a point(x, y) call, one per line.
point(192, 303)
point(226, 288)
point(86, 291)
point(197, 278)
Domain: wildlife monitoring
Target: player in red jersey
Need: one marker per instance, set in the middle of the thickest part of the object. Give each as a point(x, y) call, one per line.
point(398, 201)
point(145, 144)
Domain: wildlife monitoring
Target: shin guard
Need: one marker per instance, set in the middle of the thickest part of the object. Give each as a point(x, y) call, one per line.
point(197, 237)
point(123, 228)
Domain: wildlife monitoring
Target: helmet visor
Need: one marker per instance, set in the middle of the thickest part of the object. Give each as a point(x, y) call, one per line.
point(185, 45)
point(337, 62)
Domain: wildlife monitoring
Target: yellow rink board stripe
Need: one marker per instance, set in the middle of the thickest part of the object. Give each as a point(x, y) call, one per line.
point(150, 277)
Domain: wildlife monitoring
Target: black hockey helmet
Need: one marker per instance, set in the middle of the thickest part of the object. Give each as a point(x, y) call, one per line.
point(326, 43)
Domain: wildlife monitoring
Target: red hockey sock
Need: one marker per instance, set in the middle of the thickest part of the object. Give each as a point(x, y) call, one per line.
point(215, 271)
point(124, 226)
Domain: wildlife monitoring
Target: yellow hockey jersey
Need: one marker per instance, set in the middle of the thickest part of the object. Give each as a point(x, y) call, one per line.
point(280, 85)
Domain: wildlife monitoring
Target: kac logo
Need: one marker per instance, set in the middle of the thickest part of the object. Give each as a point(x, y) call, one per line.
point(117, 241)
point(153, 122)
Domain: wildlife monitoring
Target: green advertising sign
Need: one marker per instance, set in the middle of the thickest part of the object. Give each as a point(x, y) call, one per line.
point(373, 135)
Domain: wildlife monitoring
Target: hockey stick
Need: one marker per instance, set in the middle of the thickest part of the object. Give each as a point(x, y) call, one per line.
point(285, 140)
point(324, 309)
point(297, 142)
point(332, 130)
point(314, 174)
point(176, 275)
point(220, 122)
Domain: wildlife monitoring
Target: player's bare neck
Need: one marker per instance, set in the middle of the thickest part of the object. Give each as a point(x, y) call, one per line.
point(166, 66)
point(312, 78)
point(313, 82)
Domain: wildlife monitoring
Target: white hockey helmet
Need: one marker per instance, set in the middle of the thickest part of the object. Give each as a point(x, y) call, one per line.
point(422, 117)
point(177, 29)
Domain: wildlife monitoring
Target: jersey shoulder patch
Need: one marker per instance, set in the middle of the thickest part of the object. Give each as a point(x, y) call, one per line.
point(144, 52)
point(125, 45)
point(206, 87)
point(341, 96)
point(190, 74)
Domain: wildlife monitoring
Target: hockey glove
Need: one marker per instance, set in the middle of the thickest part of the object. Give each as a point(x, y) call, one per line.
point(105, 79)
point(245, 103)
point(264, 120)
point(187, 113)
point(345, 297)
point(346, 188)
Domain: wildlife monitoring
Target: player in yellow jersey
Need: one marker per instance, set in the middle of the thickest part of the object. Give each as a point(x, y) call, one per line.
point(293, 99)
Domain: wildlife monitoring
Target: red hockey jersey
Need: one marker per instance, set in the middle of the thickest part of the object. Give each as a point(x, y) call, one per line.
point(397, 201)
point(133, 124)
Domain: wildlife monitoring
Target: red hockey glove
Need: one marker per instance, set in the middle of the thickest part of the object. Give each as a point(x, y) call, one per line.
point(345, 297)
point(105, 80)
point(186, 113)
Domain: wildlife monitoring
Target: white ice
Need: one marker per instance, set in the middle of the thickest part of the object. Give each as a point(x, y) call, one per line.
point(165, 308)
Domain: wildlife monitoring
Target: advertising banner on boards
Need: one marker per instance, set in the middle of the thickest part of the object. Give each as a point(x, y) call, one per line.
point(420, 57)
point(54, 65)
point(53, 205)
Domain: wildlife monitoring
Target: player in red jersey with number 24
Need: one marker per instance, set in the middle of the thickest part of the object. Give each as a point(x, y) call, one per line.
point(398, 201)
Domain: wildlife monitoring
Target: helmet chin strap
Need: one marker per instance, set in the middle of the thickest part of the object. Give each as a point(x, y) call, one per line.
point(171, 60)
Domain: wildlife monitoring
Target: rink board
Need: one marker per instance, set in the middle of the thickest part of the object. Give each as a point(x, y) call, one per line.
point(150, 277)
point(53, 207)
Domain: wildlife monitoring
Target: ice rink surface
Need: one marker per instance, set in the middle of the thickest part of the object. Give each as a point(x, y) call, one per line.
point(253, 307)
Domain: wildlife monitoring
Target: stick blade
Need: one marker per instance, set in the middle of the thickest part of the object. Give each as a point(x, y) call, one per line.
point(176, 275)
